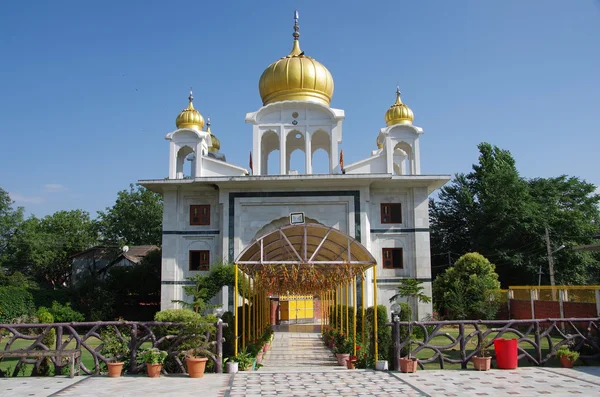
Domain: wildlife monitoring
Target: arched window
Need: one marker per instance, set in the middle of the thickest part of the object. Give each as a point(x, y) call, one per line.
point(271, 154)
point(295, 144)
point(185, 170)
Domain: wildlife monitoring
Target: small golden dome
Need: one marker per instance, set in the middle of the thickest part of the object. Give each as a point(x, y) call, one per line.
point(380, 140)
point(190, 117)
point(399, 113)
point(216, 144)
point(296, 77)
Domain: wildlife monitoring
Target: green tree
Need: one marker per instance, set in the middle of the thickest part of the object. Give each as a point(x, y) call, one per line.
point(135, 219)
point(467, 290)
point(494, 211)
point(43, 247)
point(10, 219)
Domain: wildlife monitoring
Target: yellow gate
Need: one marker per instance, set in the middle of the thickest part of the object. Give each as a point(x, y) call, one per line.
point(296, 308)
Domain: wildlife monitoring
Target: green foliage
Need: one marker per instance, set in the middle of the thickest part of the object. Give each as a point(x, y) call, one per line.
point(411, 288)
point(569, 354)
point(92, 298)
point(152, 356)
point(10, 220)
point(467, 290)
point(134, 219)
point(49, 339)
point(228, 334)
point(343, 344)
point(194, 331)
point(244, 359)
point(384, 334)
point(205, 287)
point(494, 211)
point(65, 313)
point(43, 247)
point(114, 347)
point(15, 302)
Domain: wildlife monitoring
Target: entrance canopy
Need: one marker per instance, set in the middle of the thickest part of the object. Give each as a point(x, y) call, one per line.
point(304, 259)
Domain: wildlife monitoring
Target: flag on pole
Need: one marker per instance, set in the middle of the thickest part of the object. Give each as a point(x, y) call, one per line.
point(250, 164)
point(342, 161)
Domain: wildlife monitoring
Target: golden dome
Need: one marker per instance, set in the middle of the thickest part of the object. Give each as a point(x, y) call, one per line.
point(399, 113)
point(296, 77)
point(380, 141)
point(190, 117)
point(216, 143)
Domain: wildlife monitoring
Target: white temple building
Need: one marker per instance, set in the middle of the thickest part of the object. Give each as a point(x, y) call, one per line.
point(217, 212)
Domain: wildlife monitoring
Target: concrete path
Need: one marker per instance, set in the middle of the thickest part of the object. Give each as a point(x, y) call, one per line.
point(299, 351)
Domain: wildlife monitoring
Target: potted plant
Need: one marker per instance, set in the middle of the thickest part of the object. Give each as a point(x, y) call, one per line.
point(115, 349)
point(482, 361)
point(232, 367)
point(342, 349)
point(409, 364)
point(244, 361)
point(154, 360)
point(351, 362)
point(567, 356)
point(195, 362)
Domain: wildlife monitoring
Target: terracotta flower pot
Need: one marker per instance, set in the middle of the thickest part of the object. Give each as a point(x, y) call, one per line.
point(153, 370)
point(196, 366)
point(409, 365)
point(341, 358)
point(114, 369)
point(265, 347)
point(482, 363)
point(565, 362)
point(259, 357)
point(350, 364)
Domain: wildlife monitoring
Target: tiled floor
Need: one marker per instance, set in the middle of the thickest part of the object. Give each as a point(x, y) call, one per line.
point(299, 365)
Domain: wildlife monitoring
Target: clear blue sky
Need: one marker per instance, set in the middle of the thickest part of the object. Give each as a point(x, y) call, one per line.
point(89, 90)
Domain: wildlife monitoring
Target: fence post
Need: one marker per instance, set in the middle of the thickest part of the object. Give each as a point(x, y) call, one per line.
point(508, 295)
point(463, 345)
point(59, 346)
point(396, 338)
point(219, 363)
point(561, 299)
point(532, 301)
point(133, 350)
point(598, 302)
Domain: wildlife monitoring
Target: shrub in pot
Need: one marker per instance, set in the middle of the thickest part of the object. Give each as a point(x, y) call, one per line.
point(154, 360)
point(567, 356)
point(195, 362)
point(244, 361)
point(343, 348)
point(482, 360)
point(409, 364)
point(115, 348)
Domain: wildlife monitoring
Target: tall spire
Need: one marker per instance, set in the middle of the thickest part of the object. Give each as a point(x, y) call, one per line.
point(398, 100)
point(208, 124)
point(191, 99)
point(296, 51)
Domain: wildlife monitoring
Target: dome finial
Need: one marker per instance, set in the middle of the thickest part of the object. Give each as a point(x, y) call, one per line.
point(296, 51)
point(208, 124)
point(398, 93)
point(191, 97)
point(399, 113)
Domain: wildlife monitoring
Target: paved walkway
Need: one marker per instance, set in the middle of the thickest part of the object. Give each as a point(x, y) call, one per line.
point(298, 348)
point(299, 365)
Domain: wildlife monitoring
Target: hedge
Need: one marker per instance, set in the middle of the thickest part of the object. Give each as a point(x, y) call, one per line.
point(15, 302)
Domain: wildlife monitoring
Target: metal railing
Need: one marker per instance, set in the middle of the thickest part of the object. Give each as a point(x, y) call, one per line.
point(473, 335)
point(82, 334)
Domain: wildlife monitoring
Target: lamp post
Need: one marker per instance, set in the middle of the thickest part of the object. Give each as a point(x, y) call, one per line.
point(396, 310)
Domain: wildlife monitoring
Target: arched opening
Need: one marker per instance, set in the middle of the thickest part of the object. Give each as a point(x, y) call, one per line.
point(403, 159)
point(295, 144)
point(302, 262)
point(270, 161)
point(186, 161)
point(321, 152)
point(320, 162)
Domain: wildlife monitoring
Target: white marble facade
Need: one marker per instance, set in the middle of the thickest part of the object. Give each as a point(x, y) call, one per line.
point(246, 204)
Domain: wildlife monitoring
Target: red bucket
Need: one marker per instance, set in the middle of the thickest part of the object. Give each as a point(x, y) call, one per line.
point(506, 353)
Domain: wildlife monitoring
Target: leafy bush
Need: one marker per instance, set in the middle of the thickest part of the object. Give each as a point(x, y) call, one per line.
point(65, 313)
point(49, 339)
point(384, 334)
point(194, 330)
point(114, 347)
point(15, 302)
point(468, 290)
